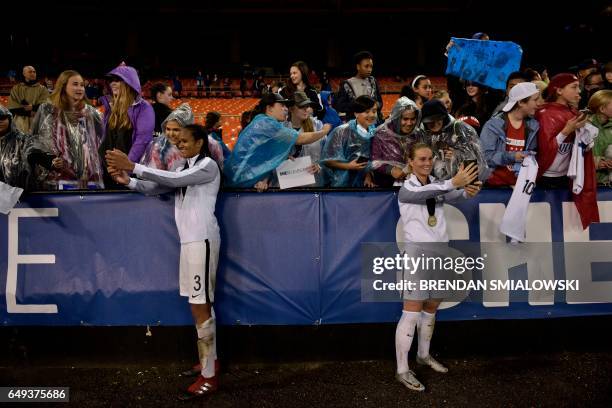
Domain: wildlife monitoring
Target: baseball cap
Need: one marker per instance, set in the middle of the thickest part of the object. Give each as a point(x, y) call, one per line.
point(557, 82)
point(433, 110)
point(272, 98)
point(301, 100)
point(520, 92)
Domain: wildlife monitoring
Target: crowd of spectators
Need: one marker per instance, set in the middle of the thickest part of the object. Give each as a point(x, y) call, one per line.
point(57, 140)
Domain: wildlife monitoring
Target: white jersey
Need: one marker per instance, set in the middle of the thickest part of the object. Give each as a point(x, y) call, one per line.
point(412, 199)
point(9, 196)
point(584, 141)
point(194, 210)
point(560, 164)
point(515, 218)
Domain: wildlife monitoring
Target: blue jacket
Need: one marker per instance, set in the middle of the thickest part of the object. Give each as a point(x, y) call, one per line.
point(493, 140)
point(331, 116)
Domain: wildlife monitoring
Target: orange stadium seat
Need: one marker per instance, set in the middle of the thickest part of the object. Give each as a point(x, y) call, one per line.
point(388, 102)
point(230, 109)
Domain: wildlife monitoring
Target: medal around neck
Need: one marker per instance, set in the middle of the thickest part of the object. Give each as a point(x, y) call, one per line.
point(432, 221)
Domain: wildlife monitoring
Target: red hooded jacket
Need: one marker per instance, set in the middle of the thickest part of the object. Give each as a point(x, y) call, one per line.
point(552, 118)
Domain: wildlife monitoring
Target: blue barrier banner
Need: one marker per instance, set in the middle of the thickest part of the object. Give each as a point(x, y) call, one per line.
point(269, 267)
point(348, 220)
point(286, 258)
point(486, 62)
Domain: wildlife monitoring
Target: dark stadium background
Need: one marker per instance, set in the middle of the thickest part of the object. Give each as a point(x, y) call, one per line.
point(406, 37)
point(552, 362)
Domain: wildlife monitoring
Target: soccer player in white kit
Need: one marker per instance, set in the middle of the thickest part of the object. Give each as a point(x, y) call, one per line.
point(421, 200)
point(196, 186)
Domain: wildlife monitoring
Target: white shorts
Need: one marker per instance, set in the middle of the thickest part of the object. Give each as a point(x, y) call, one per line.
point(433, 250)
point(198, 271)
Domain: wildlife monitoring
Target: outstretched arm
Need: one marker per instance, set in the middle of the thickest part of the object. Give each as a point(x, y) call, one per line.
point(190, 177)
point(204, 172)
point(142, 186)
point(412, 193)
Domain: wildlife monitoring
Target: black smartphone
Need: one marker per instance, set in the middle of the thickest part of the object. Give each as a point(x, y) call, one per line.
point(466, 163)
point(362, 159)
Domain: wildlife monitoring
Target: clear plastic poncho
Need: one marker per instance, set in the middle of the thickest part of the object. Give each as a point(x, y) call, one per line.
point(75, 138)
point(161, 153)
point(261, 147)
point(389, 146)
point(464, 141)
point(14, 149)
point(313, 150)
point(345, 144)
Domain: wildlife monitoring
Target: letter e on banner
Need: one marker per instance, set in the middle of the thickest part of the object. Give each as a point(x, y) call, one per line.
point(14, 259)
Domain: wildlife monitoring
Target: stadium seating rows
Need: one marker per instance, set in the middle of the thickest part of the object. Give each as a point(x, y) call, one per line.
point(387, 85)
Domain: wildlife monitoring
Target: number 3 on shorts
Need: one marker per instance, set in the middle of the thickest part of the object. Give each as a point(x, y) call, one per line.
point(197, 285)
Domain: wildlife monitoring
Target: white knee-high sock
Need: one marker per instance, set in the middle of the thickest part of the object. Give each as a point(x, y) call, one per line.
point(426, 328)
point(207, 337)
point(404, 334)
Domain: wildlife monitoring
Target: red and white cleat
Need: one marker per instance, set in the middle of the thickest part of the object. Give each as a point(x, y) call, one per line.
point(200, 388)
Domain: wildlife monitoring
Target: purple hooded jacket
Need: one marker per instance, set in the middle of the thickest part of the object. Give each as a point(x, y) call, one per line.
point(141, 113)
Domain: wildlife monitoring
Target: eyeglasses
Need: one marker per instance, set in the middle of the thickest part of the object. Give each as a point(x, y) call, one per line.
point(4, 117)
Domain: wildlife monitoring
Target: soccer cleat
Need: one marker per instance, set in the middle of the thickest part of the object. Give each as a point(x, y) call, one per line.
point(193, 371)
point(430, 361)
point(197, 370)
point(200, 388)
point(410, 381)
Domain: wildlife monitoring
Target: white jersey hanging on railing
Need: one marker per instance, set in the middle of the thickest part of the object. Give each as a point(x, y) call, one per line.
point(514, 222)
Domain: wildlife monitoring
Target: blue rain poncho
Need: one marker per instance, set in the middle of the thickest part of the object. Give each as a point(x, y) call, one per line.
point(261, 147)
point(216, 135)
point(345, 144)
